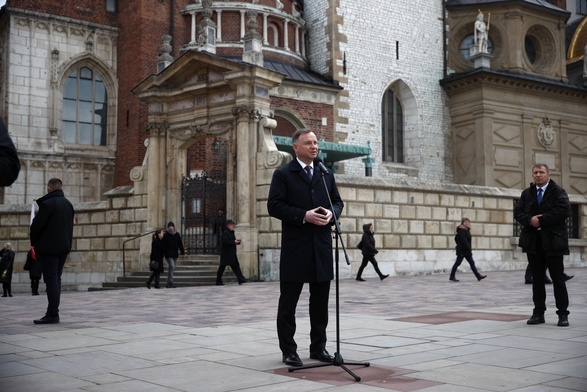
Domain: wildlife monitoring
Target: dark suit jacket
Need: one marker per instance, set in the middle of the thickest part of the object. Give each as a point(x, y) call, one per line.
point(306, 249)
point(555, 209)
point(9, 162)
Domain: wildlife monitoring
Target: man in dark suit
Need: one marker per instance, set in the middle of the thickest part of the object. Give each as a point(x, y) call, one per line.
point(298, 198)
point(9, 162)
point(542, 211)
point(51, 234)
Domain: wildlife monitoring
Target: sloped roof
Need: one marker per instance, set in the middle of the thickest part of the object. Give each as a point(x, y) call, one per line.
point(298, 74)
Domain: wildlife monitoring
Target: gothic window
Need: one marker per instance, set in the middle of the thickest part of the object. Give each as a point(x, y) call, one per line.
point(392, 121)
point(85, 105)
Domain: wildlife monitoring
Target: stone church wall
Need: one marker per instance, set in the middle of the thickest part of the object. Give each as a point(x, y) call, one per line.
point(415, 223)
point(384, 46)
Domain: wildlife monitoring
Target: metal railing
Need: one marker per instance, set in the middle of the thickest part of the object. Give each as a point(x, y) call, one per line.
point(124, 249)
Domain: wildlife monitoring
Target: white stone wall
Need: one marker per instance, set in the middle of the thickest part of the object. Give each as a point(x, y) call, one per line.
point(367, 35)
point(39, 56)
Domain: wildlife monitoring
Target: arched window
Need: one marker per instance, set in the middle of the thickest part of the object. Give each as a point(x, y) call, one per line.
point(85, 106)
point(392, 123)
point(273, 35)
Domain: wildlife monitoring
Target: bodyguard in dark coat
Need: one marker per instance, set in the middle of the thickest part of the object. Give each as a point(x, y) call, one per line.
point(228, 254)
point(542, 211)
point(300, 201)
point(9, 162)
point(51, 234)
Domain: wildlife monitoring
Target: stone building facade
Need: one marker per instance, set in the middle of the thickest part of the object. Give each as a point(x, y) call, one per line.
point(448, 139)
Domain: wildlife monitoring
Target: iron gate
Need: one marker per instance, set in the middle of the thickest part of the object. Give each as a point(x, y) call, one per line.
point(202, 197)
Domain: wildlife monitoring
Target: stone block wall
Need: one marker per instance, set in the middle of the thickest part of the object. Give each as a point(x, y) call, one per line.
point(415, 224)
point(100, 231)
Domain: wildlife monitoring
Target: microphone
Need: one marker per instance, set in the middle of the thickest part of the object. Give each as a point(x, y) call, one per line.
point(318, 162)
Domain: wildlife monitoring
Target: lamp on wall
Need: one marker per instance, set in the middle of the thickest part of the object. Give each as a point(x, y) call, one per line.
point(215, 146)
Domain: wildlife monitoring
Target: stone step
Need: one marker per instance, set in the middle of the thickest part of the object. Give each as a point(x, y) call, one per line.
point(196, 270)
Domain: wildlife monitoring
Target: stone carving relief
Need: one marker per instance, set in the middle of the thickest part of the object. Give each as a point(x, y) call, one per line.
point(157, 128)
point(545, 133)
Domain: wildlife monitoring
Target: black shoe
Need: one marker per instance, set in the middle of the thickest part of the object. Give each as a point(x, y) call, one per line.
point(219, 284)
point(47, 320)
point(563, 321)
point(535, 319)
point(453, 279)
point(568, 277)
point(481, 277)
point(292, 359)
point(242, 281)
point(148, 285)
point(360, 279)
point(170, 286)
point(547, 281)
point(322, 356)
point(383, 276)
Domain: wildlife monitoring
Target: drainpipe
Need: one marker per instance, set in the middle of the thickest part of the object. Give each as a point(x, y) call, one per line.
point(443, 36)
point(171, 23)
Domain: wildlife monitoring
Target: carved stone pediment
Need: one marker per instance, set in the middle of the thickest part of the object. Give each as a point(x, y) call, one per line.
point(194, 130)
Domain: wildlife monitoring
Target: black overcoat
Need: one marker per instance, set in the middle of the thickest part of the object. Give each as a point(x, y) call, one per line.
point(306, 249)
point(463, 241)
point(52, 229)
point(9, 162)
point(157, 252)
point(228, 248)
point(368, 240)
point(555, 209)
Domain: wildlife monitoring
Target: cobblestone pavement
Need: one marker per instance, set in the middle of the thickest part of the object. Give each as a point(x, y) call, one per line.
point(417, 333)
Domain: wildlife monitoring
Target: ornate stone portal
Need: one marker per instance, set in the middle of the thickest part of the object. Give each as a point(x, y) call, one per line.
point(237, 111)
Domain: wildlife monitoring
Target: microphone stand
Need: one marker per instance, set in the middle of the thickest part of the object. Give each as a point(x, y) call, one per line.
point(338, 360)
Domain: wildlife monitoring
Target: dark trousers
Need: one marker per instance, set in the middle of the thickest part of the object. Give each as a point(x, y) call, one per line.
point(35, 286)
point(286, 315)
point(538, 263)
point(52, 270)
point(236, 268)
point(458, 262)
point(154, 275)
point(6, 288)
point(366, 260)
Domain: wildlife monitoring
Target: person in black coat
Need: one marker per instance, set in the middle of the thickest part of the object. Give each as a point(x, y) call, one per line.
point(157, 254)
point(464, 250)
point(542, 210)
point(228, 254)
point(6, 268)
point(298, 197)
point(171, 243)
point(51, 234)
point(9, 162)
point(35, 270)
point(369, 251)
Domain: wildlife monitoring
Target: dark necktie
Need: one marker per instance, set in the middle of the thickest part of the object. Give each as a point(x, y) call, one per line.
point(308, 171)
point(539, 196)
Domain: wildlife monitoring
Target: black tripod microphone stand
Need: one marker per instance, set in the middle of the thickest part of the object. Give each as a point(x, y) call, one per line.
point(338, 360)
